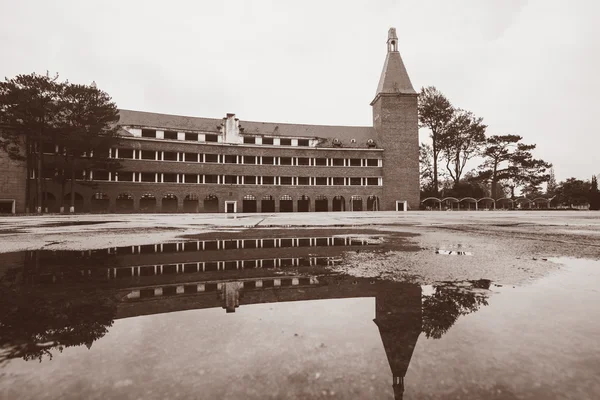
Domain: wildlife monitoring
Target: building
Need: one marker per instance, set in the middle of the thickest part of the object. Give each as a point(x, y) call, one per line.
point(174, 163)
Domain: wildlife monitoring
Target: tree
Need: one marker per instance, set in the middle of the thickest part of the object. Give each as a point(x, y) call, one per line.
point(573, 192)
point(509, 162)
point(89, 130)
point(28, 112)
point(426, 169)
point(551, 185)
point(461, 141)
point(594, 197)
point(449, 301)
point(435, 113)
point(38, 111)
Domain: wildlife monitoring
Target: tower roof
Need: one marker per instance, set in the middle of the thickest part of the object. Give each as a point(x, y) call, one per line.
point(394, 78)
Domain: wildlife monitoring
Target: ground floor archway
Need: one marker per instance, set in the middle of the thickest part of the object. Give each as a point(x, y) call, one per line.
point(286, 203)
point(249, 204)
point(49, 203)
point(372, 203)
point(303, 204)
point(124, 203)
point(78, 202)
point(100, 202)
point(169, 203)
point(356, 203)
point(190, 203)
point(321, 204)
point(211, 203)
point(267, 204)
point(338, 204)
point(148, 203)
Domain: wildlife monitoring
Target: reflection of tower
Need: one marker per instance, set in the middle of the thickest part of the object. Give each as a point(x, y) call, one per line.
point(230, 292)
point(398, 317)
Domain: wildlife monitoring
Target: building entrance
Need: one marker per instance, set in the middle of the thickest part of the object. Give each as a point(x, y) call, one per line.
point(230, 206)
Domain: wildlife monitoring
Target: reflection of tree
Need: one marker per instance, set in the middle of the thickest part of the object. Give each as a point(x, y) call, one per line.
point(448, 302)
point(32, 323)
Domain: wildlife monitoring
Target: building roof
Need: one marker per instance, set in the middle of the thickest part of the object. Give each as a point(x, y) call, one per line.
point(167, 121)
point(394, 78)
point(344, 134)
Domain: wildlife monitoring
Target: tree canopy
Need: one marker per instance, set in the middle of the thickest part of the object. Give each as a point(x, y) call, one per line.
point(39, 111)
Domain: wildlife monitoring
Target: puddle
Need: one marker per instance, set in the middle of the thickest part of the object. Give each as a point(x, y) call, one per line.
point(260, 317)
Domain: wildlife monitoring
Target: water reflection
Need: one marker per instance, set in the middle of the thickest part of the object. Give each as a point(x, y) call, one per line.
point(50, 303)
point(35, 323)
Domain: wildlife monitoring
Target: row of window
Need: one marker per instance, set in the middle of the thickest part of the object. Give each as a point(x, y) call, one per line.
point(156, 177)
point(134, 154)
point(214, 138)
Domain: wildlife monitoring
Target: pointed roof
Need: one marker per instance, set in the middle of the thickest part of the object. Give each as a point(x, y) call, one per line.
point(394, 78)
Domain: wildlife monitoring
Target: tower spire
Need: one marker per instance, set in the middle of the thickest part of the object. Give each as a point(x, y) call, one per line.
point(392, 40)
point(394, 78)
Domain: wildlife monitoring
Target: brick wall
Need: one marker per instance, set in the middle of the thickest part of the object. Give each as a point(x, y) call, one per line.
point(12, 181)
point(396, 123)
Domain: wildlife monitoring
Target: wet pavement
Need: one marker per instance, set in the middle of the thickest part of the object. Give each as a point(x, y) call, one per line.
point(264, 314)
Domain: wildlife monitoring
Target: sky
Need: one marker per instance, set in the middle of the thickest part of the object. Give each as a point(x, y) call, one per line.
point(527, 67)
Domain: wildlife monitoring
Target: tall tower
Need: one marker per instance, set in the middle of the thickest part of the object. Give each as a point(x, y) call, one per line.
point(396, 125)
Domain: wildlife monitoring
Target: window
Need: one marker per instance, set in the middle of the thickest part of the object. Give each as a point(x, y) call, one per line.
point(171, 178)
point(191, 137)
point(231, 179)
point(210, 179)
point(321, 161)
point(372, 162)
point(250, 180)
point(303, 142)
point(125, 153)
point(148, 155)
point(149, 133)
point(249, 159)
point(268, 160)
point(171, 135)
point(169, 156)
point(190, 178)
point(355, 181)
point(230, 159)
point(148, 177)
point(338, 181)
point(125, 176)
point(302, 161)
point(268, 180)
point(190, 157)
point(338, 162)
point(211, 138)
point(355, 162)
point(285, 142)
point(303, 180)
point(211, 158)
point(100, 175)
point(249, 140)
point(372, 181)
point(267, 140)
point(321, 181)
point(285, 180)
point(285, 160)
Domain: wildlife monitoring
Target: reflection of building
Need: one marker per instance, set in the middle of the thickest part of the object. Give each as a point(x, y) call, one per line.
point(173, 163)
point(397, 305)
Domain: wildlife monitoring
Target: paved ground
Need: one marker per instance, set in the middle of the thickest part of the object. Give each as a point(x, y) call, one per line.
point(506, 246)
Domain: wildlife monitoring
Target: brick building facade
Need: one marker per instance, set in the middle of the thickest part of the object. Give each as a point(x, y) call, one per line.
point(173, 163)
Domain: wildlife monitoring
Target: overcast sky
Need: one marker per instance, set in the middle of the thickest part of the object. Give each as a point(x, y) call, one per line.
point(527, 67)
